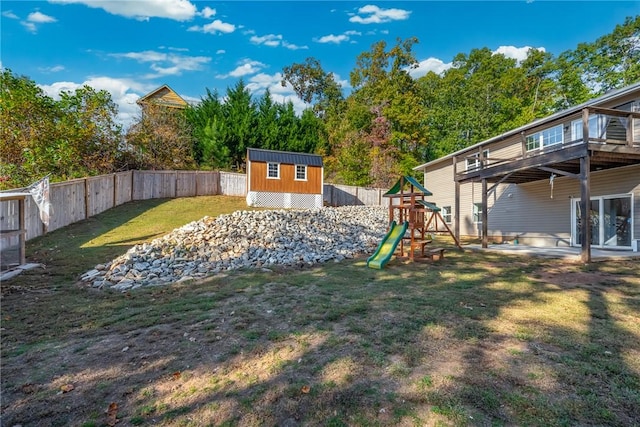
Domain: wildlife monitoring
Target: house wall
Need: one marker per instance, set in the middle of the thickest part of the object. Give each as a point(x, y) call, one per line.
point(287, 183)
point(533, 212)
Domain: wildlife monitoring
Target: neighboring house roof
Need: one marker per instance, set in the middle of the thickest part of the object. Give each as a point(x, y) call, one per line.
point(594, 102)
point(163, 95)
point(286, 157)
point(397, 187)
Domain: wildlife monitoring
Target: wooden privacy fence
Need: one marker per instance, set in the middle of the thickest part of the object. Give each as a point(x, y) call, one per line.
point(347, 195)
point(78, 199)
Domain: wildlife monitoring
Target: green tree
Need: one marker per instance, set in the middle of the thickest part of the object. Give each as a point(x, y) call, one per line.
point(205, 120)
point(313, 85)
point(240, 120)
point(613, 61)
point(73, 137)
point(161, 139)
point(28, 118)
point(87, 129)
point(267, 127)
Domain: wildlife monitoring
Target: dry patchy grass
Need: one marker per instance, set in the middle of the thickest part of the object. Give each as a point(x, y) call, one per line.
point(475, 339)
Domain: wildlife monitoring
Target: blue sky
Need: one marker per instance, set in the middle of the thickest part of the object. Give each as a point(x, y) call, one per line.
point(132, 47)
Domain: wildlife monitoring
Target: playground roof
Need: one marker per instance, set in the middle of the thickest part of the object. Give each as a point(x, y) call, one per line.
point(428, 205)
point(397, 187)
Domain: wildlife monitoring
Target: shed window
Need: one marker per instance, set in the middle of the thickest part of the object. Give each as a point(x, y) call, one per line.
point(301, 172)
point(273, 170)
point(545, 138)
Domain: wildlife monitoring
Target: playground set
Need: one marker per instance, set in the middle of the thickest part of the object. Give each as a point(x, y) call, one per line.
point(413, 222)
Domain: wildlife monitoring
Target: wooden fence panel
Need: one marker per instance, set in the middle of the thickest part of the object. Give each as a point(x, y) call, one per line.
point(347, 195)
point(100, 194)
point(154, 184)
point(370, 196)
point(233, 184)
point(71, 203)
point(186, 183)
point(67, 203)
point(123, 182)
point(208, 183)
point(32, 222)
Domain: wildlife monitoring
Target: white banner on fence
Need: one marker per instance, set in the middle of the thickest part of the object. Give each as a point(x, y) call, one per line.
point(40, 193)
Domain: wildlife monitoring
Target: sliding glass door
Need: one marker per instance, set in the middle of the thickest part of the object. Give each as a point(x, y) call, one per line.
point(610, 220)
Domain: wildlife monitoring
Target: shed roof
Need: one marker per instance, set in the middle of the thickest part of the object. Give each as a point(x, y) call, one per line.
point(286, 157)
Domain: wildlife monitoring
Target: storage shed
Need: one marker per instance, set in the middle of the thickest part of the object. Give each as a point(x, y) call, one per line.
point(281, 179)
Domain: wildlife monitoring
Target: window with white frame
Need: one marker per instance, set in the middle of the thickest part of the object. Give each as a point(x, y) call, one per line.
point(273, 170)
point(477, 213)
point(597, 127)
point(446, 214)
point(473, 161)
point(301, 172)
point(545, 138)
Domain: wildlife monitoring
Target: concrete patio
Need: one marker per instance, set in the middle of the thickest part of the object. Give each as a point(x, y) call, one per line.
point(564, 252)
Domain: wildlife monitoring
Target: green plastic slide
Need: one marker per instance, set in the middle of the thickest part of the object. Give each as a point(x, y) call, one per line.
point(388, 246)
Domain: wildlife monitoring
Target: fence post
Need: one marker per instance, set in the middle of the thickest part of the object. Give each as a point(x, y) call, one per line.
point(86, 199)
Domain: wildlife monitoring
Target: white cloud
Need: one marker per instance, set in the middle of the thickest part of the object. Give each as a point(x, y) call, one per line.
point(9, 14)
point(371, 14)
point(124, 93)
point(292, 46)
point(36, 18)
point(165, 64)
point(331, 38)
point(517, 53)
point(54, 69)
point(30, 26)
point(220, 52)
point(272, 40)
point(207, 12)
point(246, 68)
point(280, 94)
point(40, 18)
point(214, 27)
point(430, 64)
point(352, 33)
point(178, 10)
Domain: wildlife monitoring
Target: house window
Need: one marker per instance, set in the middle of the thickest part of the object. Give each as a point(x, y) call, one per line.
point(446, 214)
point(545, 138)
point(473, 162)
point(301, 172)
point(477, 213)
point(273, 170)
point(597, 127)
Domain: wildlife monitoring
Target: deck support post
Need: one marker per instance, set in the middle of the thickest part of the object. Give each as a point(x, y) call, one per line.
point(485, 215)
point(585, 192)
point(456, 204)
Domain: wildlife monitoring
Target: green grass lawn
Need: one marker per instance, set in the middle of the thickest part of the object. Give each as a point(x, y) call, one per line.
point(475, 339)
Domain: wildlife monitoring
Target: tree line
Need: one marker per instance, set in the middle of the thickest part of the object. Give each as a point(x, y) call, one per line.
point(389, 123)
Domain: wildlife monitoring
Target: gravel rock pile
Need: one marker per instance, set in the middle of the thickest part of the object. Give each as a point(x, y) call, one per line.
point(245, 239)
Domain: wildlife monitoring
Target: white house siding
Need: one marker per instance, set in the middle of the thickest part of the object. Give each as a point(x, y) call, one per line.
point(439, 180)
point(533, 212)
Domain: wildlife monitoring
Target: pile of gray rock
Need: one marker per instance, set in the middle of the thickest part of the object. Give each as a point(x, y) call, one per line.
point(245, 239)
